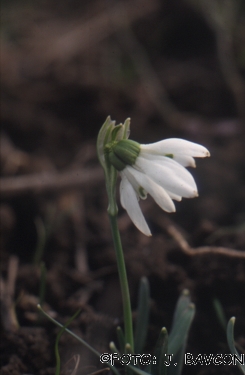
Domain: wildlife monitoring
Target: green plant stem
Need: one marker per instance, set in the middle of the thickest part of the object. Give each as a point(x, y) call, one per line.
point(127, 312)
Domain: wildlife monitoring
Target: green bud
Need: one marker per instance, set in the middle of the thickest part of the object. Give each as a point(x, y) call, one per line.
point(122, 153)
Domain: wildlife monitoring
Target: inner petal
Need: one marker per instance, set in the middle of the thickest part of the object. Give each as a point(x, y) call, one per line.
point(170, 175)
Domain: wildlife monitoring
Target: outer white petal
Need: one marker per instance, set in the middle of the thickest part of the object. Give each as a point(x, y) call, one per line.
point(176, 146)
point(170, 175)
point(159, 195)
point(139, 190)
point(129, 201)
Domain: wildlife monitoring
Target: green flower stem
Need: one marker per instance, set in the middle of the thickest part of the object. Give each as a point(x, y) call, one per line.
point(127, 312)
point(111, 177)
point(112, 136)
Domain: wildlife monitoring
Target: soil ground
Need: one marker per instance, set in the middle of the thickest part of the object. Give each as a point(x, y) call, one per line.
point(177, 69)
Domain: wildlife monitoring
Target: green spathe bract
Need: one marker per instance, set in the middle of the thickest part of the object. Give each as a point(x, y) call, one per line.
point(110, 133)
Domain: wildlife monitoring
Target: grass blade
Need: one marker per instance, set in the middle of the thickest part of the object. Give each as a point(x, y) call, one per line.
point(231, 343)
point(143, 315)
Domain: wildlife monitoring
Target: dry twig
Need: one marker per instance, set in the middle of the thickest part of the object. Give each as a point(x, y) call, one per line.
point(187, 249)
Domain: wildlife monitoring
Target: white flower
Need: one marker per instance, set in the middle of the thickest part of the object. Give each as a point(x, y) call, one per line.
point(159, 169)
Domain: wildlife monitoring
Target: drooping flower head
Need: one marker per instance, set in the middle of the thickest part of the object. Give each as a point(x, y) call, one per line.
point(157, 169)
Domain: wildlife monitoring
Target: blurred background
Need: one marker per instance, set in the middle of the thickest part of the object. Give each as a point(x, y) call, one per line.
point(177, 69)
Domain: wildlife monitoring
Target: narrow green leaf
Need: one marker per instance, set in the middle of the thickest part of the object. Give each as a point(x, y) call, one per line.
point(160, 352)
point(183, 316)
point(138, 371)
point(113, 348)
point(128, 349)
point(113, 369)
point(177, 361)
point(220, 313)
point(143, 315)
point(231, 343)
point(121, 339)
point(57, 355)
point(182, 303)
point(42, 283)
point(180, 329)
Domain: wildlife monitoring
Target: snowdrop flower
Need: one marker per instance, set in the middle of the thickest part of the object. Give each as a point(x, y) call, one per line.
point(157, 169)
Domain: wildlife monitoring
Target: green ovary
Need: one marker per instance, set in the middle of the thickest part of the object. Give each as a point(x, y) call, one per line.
point(122, 153)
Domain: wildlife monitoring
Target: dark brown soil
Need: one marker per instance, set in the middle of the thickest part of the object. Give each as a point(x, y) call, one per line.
point(66, 66)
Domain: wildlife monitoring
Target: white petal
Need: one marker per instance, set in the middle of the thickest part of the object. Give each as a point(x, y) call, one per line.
point(159, 195)
point(173, 196)
point(129, 201)
point(170, 175)
point(176, 146)
point(184, 160)
point(139, 190)
point(180, 172)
